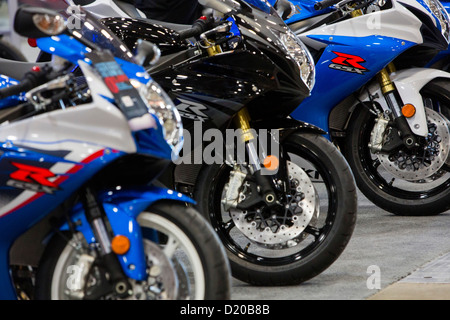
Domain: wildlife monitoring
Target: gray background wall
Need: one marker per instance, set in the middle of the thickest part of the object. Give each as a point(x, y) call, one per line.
point(7, 10)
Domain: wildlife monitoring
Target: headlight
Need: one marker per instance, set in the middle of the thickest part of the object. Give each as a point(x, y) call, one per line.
point(162, 106)
point(302, 56)
point(441, 14)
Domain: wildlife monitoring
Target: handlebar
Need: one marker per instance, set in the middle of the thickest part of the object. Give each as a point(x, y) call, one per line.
point(200, 25)
point(31, 80)
point(325, 4)
point(16, 89)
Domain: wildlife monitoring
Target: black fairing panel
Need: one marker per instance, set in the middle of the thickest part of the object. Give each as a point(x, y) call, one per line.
point(225, 83)
point(131, 30)
point(256, 73)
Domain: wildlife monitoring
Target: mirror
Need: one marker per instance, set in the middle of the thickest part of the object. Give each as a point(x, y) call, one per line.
point(147, 53)
point(33, 22)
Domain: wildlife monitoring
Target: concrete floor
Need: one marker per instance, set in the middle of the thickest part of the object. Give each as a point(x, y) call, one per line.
point(397, 247)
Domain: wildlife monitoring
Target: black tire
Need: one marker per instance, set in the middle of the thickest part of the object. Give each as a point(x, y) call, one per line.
point(386, 191)
point(310, 257)
point(216, 270)
point(8, 51)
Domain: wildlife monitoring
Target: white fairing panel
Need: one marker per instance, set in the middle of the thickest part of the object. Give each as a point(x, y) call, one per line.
point(409, 83)
point(397, 22)
point(94, 125)
point(81, 131)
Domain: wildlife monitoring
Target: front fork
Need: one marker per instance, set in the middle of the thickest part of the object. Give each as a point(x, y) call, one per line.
point(398, 109)
point(265, 182)
point(95, 216)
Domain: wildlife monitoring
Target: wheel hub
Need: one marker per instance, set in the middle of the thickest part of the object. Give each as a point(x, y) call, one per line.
point(426, 162)
point(283, 226)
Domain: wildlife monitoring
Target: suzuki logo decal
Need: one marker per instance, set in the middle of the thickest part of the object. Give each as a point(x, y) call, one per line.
point(348, 63)
point(32, 178)
point(192, 110)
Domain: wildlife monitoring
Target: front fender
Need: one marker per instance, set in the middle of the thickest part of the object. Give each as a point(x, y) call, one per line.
point(290, 124)
point(409, 83)
point(122, 207)
point(134, 201)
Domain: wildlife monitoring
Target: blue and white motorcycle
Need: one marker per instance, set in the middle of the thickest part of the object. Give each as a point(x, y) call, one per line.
point(378, 98)
point(77, 153)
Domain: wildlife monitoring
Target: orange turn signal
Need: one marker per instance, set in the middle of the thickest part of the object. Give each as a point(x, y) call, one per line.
point(120, 244)
point(408, 110)
point(271, 163)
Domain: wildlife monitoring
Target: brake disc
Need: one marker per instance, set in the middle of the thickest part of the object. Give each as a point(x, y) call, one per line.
point(426, 163)
point(163, 280)
point(300, 208)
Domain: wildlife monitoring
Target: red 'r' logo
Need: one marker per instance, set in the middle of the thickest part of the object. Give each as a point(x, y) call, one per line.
point(27, 173)
point(348, 60)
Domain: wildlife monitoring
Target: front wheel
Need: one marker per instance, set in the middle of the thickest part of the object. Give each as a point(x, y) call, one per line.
point(301, 238)
point(404, 182)
point(187, 261)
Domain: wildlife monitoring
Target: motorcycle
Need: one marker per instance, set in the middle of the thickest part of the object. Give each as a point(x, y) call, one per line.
point(387, 104)
point(79, 218)
point(284, 212)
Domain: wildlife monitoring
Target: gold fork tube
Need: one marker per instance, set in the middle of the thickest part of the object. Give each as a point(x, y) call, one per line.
point(385, 81)
point(242, 121)
point(391, 68)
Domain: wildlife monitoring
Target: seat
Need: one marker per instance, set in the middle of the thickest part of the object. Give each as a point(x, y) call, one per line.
point(129, 8)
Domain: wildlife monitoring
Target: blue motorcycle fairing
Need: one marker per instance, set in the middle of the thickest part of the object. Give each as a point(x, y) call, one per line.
point(16, 219)
point(374, 53)
point(306, 10)
point(446, 5)
point(152, 142)
point(72, 50)
point(122, 207)
point(265, 5)
point(13, 100)
point(32, 207)
point(64, 46)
